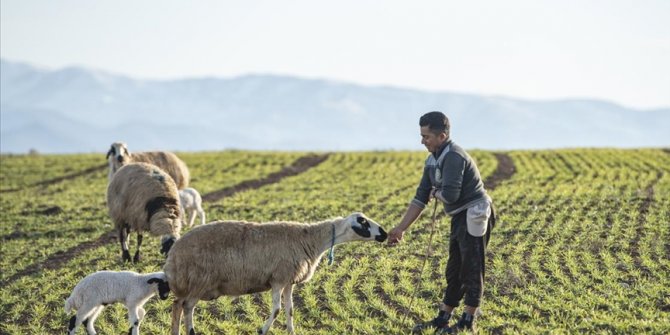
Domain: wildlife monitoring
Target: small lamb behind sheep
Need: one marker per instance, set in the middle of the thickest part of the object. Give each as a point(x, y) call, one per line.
point(191, 205)
point(141, 197)
point(101, 288)
point(234, 258)
point(118, 156)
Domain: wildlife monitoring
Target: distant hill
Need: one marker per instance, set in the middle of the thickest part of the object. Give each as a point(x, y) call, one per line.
point(82, 110)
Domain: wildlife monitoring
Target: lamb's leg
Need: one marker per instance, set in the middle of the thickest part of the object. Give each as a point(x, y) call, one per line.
point(123, 239)
point(135, 315)
point(288, 307)
point(139, 245)
point(91, 319)
point(177, 310)
point(202, 215)
point(192, 219)
point(189, 306)
point(276, 305)
point(82, 314)
point(182, 215)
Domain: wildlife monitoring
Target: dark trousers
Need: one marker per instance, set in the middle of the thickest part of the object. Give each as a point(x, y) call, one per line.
point(466, 263)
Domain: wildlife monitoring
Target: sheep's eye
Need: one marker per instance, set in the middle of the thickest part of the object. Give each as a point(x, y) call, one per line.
point(363, 221)
point(113, 151)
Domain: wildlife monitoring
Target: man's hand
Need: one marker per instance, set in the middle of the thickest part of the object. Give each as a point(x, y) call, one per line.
point(395, 236)
point(436, 193)
point(433, 190)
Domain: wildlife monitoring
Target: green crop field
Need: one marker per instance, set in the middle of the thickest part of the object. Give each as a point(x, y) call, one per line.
point(582, 243)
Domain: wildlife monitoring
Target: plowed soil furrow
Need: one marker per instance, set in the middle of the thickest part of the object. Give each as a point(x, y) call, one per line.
point(301, 165)
point(61, 178)
point(58, 259)
point(504, 171)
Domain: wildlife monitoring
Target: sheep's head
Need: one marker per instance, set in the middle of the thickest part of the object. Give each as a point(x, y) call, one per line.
point(162, 287)
point(166, 244)
point(118, 155)
point(365, 229)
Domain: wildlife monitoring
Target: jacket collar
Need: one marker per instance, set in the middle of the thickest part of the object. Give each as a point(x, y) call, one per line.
point(444, 146)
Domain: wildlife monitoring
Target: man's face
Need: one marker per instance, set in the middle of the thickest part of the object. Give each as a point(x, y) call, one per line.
point(431, 140)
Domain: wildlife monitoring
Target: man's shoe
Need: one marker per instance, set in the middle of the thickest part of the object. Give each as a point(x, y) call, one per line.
point(465, 323)
point(436, 323)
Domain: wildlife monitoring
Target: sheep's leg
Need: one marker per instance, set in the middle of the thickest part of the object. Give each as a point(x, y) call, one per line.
point(189, 306)
point(123, 239)
point(202, 215)
point(91, 319)
point(82, 315)
point(177, 310)
point(182, 215)
point(139, 245)
point(276, 305)
point(192, 219)
point(135, 315)
point(288, 307)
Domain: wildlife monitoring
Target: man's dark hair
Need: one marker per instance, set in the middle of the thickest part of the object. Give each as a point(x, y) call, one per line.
point(437, 122)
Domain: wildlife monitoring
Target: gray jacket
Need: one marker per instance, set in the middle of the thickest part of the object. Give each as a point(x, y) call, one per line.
point(453, 172)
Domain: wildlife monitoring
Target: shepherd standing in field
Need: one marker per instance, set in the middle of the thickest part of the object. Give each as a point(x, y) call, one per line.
point(451, 176)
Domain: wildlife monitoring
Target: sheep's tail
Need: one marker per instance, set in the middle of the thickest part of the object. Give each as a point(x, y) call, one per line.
point(69, 304)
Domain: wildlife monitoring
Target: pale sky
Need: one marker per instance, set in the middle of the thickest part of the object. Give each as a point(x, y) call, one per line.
point(614, 50)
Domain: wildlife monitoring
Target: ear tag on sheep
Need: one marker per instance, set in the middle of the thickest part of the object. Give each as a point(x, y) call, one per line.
point(331, 254)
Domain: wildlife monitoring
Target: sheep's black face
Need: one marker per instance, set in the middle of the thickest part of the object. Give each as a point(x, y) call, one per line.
point(367, 228)
point(163, 287)
point(166, 245)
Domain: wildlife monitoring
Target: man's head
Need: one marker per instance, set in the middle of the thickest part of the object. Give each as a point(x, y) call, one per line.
point(434, 130)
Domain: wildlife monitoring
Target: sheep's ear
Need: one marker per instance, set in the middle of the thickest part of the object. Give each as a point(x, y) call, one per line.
point(110, 152)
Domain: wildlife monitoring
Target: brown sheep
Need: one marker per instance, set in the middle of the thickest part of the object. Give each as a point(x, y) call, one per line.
point(141, 197)
point(234, 258)
point(118, 156)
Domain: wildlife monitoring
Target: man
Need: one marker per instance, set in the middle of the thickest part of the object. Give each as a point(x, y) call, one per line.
point(451, 176)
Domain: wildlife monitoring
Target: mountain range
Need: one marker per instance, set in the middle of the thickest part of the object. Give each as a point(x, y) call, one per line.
point(75, 109)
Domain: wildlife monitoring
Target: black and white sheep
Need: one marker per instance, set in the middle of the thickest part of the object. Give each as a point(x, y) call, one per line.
point(191, 205)
point(118, 156)
point(141, 197)
point(102, 288)
point(234, 258)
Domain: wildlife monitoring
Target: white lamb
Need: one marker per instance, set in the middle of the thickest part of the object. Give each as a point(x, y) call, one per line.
point(234, 258)
point(191, 205)
point(101, 288)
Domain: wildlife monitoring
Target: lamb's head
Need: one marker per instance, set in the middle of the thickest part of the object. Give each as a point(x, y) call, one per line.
point(363, 229)
point(118, 155)
point(162, 287)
